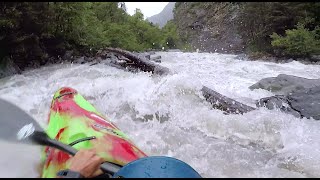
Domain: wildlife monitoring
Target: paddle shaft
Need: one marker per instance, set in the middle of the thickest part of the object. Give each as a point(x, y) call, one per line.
point(106, 167)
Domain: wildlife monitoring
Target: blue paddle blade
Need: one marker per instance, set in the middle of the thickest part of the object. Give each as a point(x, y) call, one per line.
point(157, 167)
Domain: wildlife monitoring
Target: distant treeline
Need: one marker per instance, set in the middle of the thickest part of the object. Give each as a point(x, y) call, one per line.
point(33, 31)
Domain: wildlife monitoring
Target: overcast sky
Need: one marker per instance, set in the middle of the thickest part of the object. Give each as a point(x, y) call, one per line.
point(148, 8)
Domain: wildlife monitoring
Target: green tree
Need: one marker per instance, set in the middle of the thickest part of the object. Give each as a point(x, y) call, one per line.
point(31, 32)
point(258, 20)
point(138, 15)
point(299, 42)
point(170, 36)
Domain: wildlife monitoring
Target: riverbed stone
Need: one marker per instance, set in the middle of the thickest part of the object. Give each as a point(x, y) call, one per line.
point(279, 102)
point(307, 102)
point(285, 84)
point(294, 95)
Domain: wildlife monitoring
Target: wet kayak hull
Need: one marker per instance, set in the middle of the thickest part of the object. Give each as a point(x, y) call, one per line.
point(73, 120)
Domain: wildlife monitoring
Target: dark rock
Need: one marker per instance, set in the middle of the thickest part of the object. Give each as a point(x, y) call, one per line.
point(307, 102)
point(284, 84)
point(278, 102)
point(302, 103)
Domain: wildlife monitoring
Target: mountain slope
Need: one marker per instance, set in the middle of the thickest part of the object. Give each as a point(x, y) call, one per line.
point(164, 16)
point(209, 26)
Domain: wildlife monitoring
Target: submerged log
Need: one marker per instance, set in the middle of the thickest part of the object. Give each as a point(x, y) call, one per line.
point(140, 63)
point(224, 103)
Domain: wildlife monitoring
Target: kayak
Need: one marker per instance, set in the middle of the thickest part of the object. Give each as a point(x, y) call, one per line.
point(74, 121)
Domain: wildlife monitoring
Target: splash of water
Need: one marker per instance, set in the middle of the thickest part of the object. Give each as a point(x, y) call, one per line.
point(168, 115)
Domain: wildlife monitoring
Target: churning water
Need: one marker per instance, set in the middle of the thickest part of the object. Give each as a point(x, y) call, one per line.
point(168, 115)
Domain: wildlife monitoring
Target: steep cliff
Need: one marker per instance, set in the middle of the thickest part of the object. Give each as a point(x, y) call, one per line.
point(209, 26)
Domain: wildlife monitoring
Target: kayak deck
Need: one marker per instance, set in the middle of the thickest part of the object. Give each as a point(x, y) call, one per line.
point(73, 120)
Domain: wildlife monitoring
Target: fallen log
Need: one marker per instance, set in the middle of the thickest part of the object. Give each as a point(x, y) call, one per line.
point(140, 62)
point(224, 103)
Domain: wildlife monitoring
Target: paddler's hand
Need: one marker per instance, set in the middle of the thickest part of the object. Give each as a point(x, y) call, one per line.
point(87, 163)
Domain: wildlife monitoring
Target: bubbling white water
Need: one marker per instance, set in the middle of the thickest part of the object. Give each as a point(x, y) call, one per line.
point(169, 116)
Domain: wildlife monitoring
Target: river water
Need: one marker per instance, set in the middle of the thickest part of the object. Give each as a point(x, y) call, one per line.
point(168, 115)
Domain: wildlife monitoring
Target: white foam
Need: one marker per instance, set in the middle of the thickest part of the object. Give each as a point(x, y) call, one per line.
point(260, 143)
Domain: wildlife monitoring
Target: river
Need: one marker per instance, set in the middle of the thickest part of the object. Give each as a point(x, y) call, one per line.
point(168, 116)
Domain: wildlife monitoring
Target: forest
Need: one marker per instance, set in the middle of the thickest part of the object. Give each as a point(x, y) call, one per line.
point(31, 32)
point(289, 29)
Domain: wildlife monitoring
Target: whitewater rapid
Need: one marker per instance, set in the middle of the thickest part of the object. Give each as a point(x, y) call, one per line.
point(168, 115)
